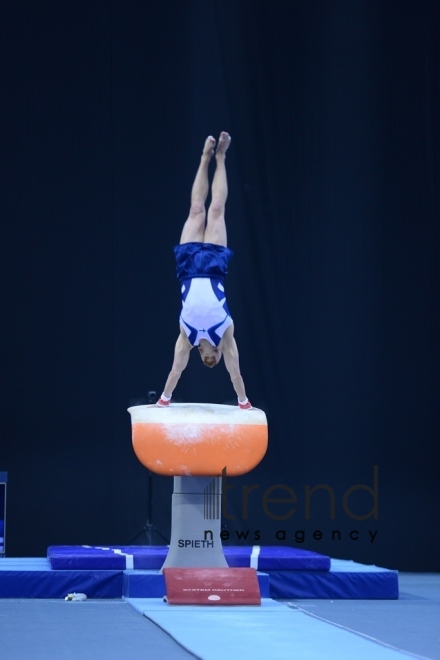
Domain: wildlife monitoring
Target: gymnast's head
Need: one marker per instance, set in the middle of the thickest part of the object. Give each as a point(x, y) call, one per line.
point(210, 355)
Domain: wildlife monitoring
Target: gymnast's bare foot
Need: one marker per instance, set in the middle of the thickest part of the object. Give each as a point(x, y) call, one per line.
point(223, 143)
point(209, 146)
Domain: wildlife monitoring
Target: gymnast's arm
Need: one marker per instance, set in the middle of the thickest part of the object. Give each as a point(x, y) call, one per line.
point(232, 363)
point(181, 357)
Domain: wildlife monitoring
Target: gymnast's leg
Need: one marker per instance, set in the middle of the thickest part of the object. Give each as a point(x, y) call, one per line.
point(194, 227)
point(215, 231)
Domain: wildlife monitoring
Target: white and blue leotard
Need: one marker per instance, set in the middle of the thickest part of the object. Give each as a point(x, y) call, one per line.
point(201, 269)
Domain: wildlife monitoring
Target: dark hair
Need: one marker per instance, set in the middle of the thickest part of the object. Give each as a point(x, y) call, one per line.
point(209, 361)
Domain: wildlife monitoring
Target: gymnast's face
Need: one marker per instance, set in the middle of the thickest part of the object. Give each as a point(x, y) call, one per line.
point(210, 355)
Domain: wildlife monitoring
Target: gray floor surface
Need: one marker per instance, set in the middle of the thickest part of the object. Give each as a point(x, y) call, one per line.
point(411, 623)
point(110, 630)
point(91, 630)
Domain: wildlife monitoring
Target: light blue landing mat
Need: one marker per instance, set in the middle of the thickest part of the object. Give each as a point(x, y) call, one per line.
point(272, 631)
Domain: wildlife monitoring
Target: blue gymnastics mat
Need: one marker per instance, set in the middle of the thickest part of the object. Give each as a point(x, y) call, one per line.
point(293, 572)
point(270, 631)
point(35, 578)
point(345, 579)
point(262, 558)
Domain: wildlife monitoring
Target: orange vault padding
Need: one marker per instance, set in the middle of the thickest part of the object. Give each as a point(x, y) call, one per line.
point(198, 439)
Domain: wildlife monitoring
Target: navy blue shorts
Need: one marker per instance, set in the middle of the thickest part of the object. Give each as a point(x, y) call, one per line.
point(202, 260)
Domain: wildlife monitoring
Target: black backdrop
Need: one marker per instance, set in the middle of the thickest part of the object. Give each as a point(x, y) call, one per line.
point(333, 213)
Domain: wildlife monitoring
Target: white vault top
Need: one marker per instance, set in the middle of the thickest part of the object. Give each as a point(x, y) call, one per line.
point(196, 413)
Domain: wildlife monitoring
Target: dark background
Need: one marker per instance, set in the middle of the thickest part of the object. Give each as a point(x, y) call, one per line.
point(333, 215)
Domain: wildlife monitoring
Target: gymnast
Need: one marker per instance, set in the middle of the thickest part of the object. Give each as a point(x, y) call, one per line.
point(202, 259)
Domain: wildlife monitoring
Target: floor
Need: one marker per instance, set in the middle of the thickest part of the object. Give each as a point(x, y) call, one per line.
point(411, 623)
point(113, 629)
